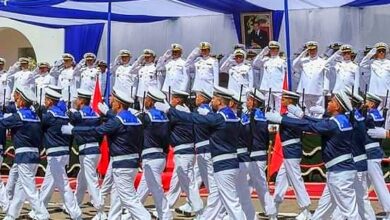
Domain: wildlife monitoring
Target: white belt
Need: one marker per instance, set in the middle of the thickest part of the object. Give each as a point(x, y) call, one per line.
point(241, 150)
point(258, 153)
point(202, 143)
point(372, 145)
point(151, 150)
point(182, 147)
point(56, 149)
point(223, 157)
point(26, 150)
point(337, 160)
point(291, 141)
point(88, 145)
point(124, 157)
point(360, 158)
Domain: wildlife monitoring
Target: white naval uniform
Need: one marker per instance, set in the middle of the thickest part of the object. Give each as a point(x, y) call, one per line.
point(4, 84)
point(88, 78)
point(176, 76)
point(379, 79)
point(206, 74)
point(23, 78)
point(241, 74)
point(347, 75)
point(66, 80)
point(274, 70)
point(41, 83)
point(147, 78)
point(313, 78)
point(125, 78)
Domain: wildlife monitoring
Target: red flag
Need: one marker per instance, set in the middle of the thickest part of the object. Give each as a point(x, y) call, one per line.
point(105, 156)
point(277, 156)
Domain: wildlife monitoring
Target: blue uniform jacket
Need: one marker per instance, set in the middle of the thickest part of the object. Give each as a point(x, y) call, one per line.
point(244, 139)
point(124, 137)
point(156, 133)
point(260, 134)
point(224, 136)
point(202, 133)
point(53, 139)
point(86, 117)
point(181, 133)
point(374, 119)
point(292, 150)
point(359, 139)
point(26, 133)
point(336, 133)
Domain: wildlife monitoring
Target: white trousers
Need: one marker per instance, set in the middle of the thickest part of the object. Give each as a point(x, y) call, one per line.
point(56, 177)
point(183, 179)
point(124, 195)
point(244, 191)
point(11, 182)
point(25, 189)
point(87, 179)
point(290, 173)
point(339, 193)
point(226, 181)
point(107, 181)
point(259, 181)
point(375, 177)
point(214, 206)
point(4, 201)
point(151, 182)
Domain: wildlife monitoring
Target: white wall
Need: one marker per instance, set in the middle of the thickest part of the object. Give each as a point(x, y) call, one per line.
point(48, 43)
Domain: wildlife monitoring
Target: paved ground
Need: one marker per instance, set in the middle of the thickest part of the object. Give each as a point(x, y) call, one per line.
point(288, 209)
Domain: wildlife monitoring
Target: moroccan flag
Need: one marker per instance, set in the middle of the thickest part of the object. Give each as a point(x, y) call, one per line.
point(105, 156)
point(277, 153)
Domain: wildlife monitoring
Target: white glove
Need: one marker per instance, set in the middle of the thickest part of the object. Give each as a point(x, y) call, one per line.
point(377, 132)
point(164, 107)
point(203, 111)
point(231, 57)
point(195, 51)
point(295, 110)
point(372, 51)
point(133, 111)
point(167, 54)
point(273, 117)
point(103, 108)
point(6, 115)
point(265, 51)
point(73, 110)
point(182, 108)
point(67, 129)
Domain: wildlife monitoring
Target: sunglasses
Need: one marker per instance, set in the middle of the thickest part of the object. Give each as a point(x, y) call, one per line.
point(381, 51)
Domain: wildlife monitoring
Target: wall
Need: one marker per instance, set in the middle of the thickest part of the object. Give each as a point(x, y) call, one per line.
point(48, 43)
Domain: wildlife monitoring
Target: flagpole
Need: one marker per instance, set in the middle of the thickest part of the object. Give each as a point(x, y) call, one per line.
point(108, 76)
point(287, 27)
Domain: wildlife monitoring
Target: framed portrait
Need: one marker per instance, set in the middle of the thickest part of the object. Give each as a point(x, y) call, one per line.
point(256, 29)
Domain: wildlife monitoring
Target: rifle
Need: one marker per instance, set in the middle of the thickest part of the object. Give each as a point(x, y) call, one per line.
point(385, 109)
point(69, 112)
point(143, 109)
point(239, 107)
point(40, 104)
point(190, 105)
point(267, 108)
point(364, 109)
point(5, 90)
point(351, 113)
point(303, 101)
point(169, 94)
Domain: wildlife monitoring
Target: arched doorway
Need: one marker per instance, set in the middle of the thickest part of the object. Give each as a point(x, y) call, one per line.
point(14, 45)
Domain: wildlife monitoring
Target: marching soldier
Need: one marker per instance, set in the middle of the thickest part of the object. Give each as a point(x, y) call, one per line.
point(155, 147)
point(43, 80)
point(258, 151)
point(146, 70)
point(346, 71)
point(274, 69)
point(89, 152)
point(125, 136)
point(176, 73)
point(223, 140)
point(26, 129)
point(57, 150)
point(205, 68)
point(290, 171)
point(379, 67)
point(313, 75)
point(337, 134)
point(182, 140)
point(240, 73)
point(375, 152)
point(66, 78)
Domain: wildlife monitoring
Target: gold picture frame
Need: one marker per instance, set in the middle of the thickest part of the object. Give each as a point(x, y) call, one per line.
point(256, 29)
